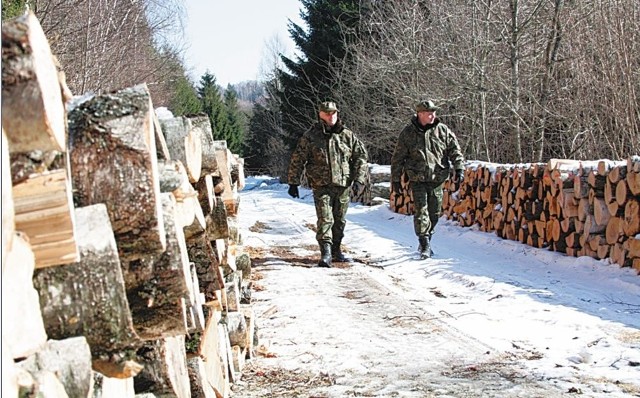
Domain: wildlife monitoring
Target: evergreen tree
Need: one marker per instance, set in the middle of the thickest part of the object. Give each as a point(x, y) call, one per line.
point(331, 25)
point(184, 99)
point(212, 105)
point(235, 121)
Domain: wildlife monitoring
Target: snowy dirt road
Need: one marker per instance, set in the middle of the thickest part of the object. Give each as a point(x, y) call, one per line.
point(387, 325)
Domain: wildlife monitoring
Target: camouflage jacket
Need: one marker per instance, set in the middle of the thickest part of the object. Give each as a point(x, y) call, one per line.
point(331, 157)
point(425, 153)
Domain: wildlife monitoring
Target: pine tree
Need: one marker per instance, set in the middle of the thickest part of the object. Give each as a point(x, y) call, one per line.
point(212, 105)
point(235, 129)
point(309, 81)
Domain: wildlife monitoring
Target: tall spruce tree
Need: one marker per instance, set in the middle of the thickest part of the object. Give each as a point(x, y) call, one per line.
point(331, 24)
point(235, 127)
point(212, 105)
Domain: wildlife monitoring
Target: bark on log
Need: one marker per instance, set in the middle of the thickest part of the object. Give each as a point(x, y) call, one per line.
point(33, 111)
point(156, 283)
point(162, 151)
point(210, 277)
point(170, 175)
point(201, 124)
point(237, 327)
point(184, 145)
point(88, 298)
point(217, 223)
point(22, 325)
point(165, 368)
point(200, 388)
point(113, 161)
point(44, 211)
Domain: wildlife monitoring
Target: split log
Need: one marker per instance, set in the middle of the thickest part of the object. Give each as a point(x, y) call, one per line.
point(214, 358)
point(233, 281)
point(184, 145)
point(165, 368)
point(633, 180)
point(156, 283)
point(250, 320)
point(108, 387)
point(113, 161)
point(632, 245)
point(195, 310)
point(237, 328)
point(200, 387)
point(238, 359)
point(632, 217)
point(186, 199)
point(8, 212)
point(44, 211)
point(33, 111)
point(633, 163)
point(162, 151)
point(171, 175)
point(615, 230)
point(88, 298)
point(206, 195)
point(217, 222)
point(69, 360)
point(22, 326)
point(237, 171)
point(201, 124)
point(210, 277)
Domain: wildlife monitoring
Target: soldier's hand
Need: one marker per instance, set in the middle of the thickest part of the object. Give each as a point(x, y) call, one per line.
point(358, 187)
point(293, 191)
point(396, 186)
point(459, 176)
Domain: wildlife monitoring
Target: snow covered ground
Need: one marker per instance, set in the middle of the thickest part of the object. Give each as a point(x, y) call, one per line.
point(486, 317)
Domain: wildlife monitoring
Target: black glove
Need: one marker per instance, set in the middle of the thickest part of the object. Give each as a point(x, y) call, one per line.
point(293, 191)
point(396, 186)
point(459, 176)
point(357, 187)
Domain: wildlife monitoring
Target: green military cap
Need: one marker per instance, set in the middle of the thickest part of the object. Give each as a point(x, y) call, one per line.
point(426, 105)
point(328, 106)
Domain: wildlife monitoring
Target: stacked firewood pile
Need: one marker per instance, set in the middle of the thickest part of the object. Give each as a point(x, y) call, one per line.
point(122, 264)
point(578, 208)
point(376, 188)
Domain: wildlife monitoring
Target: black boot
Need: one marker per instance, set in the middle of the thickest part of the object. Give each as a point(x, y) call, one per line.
point(424, 247)
point(336, 253)
point(325, 255)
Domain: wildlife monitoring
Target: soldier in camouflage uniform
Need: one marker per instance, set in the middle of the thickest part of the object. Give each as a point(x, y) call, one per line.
point(333, 158)
point(426, 150)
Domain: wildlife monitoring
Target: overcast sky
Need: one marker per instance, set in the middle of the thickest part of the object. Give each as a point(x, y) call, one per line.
point(228, 38)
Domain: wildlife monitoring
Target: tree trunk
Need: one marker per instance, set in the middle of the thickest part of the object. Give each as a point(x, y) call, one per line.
point(113, 161)
point(202, 127)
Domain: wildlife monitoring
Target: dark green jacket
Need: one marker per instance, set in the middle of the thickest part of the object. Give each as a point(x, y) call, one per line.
point(331, 156)
point(425, 153)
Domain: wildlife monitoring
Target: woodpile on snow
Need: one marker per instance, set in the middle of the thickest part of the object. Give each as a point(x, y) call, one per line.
point(581, 208)
point(122, 264)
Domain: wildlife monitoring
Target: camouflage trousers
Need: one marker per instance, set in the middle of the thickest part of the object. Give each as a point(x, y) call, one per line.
point(331, 203)
point(427, 203)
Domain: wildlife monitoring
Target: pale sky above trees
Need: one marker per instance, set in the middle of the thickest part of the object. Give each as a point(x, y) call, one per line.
point(229, 38)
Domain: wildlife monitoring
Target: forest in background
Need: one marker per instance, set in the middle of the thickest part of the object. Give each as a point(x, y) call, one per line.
point(517, 80)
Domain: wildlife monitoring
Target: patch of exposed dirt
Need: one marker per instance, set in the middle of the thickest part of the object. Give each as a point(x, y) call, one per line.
point(259, 381)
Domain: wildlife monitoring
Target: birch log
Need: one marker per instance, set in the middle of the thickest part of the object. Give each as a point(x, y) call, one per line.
point(201, 125)
point(113, 161)
point(88, 298)
point(165, 369)
point(33, 112)
point(22, 326)
point(156, 283)
point(183, 144)
point(8, 220)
